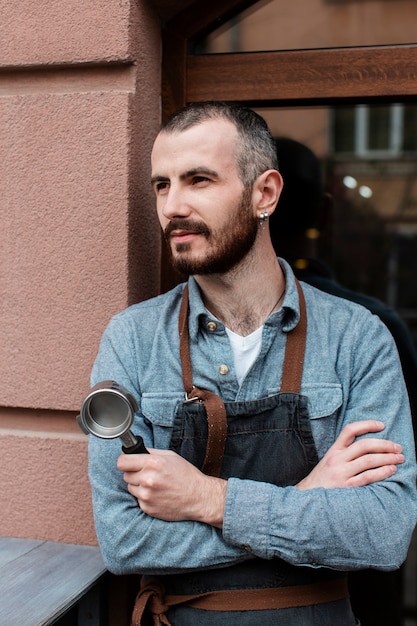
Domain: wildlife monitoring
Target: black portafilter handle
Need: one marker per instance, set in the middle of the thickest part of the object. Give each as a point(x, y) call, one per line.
point(138, 448)
point(133, 444)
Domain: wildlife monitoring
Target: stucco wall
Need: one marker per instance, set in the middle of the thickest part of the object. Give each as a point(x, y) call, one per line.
point(79, 107)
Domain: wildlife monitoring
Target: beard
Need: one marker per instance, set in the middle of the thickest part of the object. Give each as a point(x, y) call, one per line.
point(227, 246)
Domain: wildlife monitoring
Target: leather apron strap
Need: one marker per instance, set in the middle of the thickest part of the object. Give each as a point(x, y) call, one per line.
point(152, 597)
point(292, 370)
point(213, 404)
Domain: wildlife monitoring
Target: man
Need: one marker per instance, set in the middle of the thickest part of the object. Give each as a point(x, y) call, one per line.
point(300, 227)
point(254, 394)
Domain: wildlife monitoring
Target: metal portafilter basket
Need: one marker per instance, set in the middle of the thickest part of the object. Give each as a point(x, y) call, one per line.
point(108, 412)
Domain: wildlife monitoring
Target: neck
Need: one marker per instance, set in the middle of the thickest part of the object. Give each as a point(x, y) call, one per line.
point(243, 298)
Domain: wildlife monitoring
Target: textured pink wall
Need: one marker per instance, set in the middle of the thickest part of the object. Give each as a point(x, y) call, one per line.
point(63, 240)
point(55, 32)
point(44, 487)
point(79, 107)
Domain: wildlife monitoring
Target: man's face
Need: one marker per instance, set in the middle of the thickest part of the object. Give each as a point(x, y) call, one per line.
point(206, 214)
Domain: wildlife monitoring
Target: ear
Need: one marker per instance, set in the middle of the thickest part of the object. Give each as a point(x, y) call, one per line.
point(267, 190)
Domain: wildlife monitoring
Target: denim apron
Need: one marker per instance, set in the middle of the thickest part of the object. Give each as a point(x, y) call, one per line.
point(267, 440)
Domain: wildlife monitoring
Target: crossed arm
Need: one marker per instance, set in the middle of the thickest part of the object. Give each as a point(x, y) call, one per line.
point(169, 488)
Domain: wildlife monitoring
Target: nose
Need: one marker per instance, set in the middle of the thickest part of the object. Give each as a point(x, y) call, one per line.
point(174, 204)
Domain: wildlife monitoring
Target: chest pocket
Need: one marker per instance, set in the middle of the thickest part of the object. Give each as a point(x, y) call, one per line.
point(324, 402)
point(158, 411)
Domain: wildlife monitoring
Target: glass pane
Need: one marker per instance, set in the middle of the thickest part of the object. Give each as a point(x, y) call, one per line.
point(357, 228)
point(302, 24)
point(368, 239)
point(410, 128)
point(344, 129)
point(379, 128)
point(377, 131)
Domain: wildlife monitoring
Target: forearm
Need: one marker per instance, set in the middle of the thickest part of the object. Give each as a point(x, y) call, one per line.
point(169, 488)
point(152, 546)
point(134, 542)
point(348, 528)
point(327, 521)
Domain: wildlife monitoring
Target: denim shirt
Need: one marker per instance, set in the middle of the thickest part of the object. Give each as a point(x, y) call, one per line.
point(351, 372)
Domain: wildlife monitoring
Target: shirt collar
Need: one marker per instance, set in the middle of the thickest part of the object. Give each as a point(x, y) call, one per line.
point(197, 308)
point(290, 305)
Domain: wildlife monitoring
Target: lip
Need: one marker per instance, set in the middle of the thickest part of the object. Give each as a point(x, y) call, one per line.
point(183, 235)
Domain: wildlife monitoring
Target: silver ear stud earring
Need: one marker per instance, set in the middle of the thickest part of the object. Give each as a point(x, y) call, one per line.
point(263, 217)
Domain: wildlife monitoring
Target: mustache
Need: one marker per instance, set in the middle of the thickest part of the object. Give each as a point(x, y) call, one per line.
point(188, 225)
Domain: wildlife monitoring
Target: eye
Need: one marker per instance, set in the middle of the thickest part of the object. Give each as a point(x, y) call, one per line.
point(199, 180)
point(161, 186)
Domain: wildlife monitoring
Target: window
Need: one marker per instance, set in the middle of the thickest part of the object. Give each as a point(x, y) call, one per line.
point(377, 132)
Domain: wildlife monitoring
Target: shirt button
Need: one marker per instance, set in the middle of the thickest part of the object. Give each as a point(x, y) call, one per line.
point(212, 326)
point(223, 369)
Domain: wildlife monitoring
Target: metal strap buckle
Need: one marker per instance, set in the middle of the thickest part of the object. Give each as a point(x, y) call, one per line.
point(189, 398)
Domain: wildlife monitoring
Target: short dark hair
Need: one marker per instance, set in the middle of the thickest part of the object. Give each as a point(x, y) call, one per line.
point(257, 152)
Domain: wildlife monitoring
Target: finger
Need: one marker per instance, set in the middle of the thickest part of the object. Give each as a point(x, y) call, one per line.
point(134, 491)
point(162, 452)
point(374, 461)
point(368, 446)
point(355, 429)
point(132, 478)
point(371, 476)
point(132, 462)
point(128, 461)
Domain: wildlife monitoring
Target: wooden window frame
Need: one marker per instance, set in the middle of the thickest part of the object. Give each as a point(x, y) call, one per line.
point(295, 77)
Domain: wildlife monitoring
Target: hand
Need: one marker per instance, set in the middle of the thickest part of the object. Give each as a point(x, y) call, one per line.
point(170, 488)
point(350, 463)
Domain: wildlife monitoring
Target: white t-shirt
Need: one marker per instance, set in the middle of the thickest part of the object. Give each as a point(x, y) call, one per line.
point(245, 350)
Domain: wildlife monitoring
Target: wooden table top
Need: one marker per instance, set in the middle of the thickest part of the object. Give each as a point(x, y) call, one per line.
point(42, 580)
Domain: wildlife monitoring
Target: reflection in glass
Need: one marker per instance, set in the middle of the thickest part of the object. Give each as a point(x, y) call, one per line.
point(379, 127)
point(306, 24)
point(410, 128)
point(344, 129)
point(378, 131)
point(369, 163)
